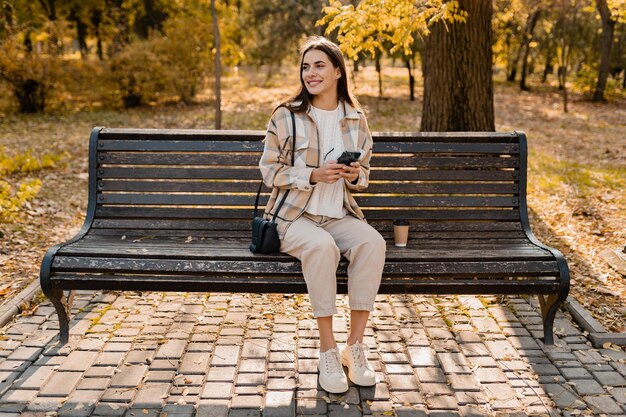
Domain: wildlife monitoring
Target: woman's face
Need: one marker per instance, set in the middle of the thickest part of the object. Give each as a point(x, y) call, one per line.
point(318, 73)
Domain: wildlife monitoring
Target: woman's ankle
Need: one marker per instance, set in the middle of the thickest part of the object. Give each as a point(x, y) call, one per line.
point(327, 346)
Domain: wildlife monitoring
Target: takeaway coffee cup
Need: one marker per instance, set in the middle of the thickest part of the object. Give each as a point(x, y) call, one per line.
point(400, 232)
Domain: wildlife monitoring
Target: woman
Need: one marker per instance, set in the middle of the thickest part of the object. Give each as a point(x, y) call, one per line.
point(320, 220)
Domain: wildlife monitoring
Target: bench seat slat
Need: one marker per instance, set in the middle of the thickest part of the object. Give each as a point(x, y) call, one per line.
point(210, 247)
point(253, 173)
point(173, 252)
point(243, 200)
point(208, 267)
point(287, 284)
point(251, 187)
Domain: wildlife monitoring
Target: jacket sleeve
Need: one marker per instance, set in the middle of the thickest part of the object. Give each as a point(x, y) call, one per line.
point(275, 163)
point(365, 143)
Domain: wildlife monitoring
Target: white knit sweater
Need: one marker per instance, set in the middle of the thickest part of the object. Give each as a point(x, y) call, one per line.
point(327, 199)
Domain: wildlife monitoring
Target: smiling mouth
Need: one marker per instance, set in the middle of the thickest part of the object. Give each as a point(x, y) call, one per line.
point(313, 83)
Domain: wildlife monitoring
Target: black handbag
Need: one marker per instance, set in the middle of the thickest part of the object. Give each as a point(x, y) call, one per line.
point(265, 237)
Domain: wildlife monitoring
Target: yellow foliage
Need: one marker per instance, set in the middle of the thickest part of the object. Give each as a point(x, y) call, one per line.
point(12, 201)
point(371, 23)
point(25, 162)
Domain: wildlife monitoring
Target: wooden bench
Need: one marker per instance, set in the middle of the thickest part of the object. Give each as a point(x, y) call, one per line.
point(170, 210)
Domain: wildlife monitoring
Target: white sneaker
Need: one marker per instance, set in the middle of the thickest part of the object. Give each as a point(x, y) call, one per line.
point(359, 369)
point(331, 377)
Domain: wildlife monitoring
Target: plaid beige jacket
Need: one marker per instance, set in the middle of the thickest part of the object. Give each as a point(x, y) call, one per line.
point(278, 173)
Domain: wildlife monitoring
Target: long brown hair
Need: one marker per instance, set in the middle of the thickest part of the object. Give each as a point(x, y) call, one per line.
point(336, 58)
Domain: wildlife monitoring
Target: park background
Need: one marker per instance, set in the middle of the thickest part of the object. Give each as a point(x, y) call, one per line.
point(557, 70)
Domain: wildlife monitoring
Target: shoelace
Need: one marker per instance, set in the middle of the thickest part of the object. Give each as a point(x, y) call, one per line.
point(359, 354)
point(333, 362)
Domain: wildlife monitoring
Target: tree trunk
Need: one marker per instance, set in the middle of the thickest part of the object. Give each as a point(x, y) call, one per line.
point(606, 41)
point(218, 69)
point(380, 75)
point(548, 67)
point(458, 86)
point(407, 61)
point(530, 28)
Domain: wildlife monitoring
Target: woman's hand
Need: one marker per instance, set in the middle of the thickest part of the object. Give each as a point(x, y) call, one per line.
point(351, 173)
point(329, 173)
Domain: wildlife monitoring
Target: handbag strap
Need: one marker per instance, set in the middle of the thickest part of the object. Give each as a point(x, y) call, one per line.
point(293, 151)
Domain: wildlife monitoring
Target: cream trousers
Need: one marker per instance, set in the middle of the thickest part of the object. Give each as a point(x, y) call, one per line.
point(319, 242)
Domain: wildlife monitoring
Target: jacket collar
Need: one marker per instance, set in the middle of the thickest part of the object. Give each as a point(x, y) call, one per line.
point(348, 111)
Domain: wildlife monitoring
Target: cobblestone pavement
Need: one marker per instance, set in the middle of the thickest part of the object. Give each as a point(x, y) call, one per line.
point(190, 354)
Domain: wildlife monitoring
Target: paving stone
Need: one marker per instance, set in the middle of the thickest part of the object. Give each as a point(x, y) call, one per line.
point(614, 379)
point(244, 412)
point(470, 397)
point(591, 357)
point(139, 356)
point(46, 404)
point(194, 363)
point(403, 382)
point(93, 384)
point(100, 371)
point(109, 358)
point(437, 388)
point(18, 396)
point(217, 390)
point(308, 406)
point(225, 355)
point(221, 373)
point(380, 391)
point(130, 376)
point(604, 405)
point(78, 361)
point(464, 383)
point(408, 397)
point(576, 373)
point(60, 384)
point(34, 377)
point(80, 403)
point(441, 402)
point(422, 357)
point(545, 369)
point(246, 401)
point(212, 408)
point(501, 396)
point(172, 349)
point(25, 354)
point(587, 386)
point(281, 383)
point(406, 411)
point(430, 375)
point(14, 366)
point(117, 347)
point(453, 363)
point(164, 365)
point(501, 349)
point(338, 410)
point(151, 395)
point(563, 396)
point(490, 375)
point(279, 404)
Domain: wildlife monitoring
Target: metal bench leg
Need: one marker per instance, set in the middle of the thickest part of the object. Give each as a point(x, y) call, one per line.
point(63, 307)
point(549, 306)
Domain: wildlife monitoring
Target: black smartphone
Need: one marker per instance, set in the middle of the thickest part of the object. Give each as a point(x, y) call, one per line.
point(348, 157)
